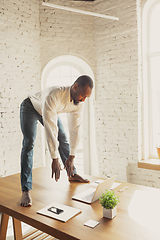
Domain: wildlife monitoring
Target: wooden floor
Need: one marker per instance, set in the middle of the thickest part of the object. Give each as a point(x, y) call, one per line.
point(37, 235)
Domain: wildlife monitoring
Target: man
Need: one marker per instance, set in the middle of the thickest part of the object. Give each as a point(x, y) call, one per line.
point(45, 107)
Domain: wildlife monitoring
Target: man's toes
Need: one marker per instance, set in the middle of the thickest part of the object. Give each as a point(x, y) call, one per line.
point(26, 204)
point(85, 181)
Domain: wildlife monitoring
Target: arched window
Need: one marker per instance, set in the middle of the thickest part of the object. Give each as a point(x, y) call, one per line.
point(151, 78)
point(64, 70)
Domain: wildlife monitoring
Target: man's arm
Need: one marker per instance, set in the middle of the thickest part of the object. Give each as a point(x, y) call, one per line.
point(74, 123)
point(49, 114)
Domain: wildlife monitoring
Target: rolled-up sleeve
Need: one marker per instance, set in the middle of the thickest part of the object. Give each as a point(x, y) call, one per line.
point(49, 113)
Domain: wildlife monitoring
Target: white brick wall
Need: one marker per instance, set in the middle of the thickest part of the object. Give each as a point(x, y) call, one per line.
point(117, 76)
point(28, 41)
point(32, 34)
point(118, 126)
point(64, 32)
point(20, 73)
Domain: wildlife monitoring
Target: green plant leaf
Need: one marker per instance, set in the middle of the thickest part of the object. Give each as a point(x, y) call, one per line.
point(108, 200)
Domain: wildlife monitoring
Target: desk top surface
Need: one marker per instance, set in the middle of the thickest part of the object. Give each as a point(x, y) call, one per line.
point(138, 213)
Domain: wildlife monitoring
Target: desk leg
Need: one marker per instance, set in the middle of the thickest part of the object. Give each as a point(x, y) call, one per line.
point(3, 226)
point(17, 229)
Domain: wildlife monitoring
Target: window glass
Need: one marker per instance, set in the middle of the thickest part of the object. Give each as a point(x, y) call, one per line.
point(155, 101)
point(62, 75)
point(151, 78)
point(65, 75)
point(65, 71)
point(74, 72)
point(154, 29)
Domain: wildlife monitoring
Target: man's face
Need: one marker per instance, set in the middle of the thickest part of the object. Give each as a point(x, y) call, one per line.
point(80, 94)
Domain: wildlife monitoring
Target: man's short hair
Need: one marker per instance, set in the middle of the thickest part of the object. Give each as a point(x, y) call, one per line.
point(84, 80)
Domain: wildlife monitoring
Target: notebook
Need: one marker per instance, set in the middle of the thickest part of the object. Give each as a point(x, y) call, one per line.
point(59, 211)
point(92, 194)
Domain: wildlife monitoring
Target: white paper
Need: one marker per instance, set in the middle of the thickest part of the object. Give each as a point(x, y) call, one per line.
point(115, 184)
point(68, 212)
point(91, 223)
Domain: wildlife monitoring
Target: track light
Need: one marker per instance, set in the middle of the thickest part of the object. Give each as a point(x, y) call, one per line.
point(78, 11)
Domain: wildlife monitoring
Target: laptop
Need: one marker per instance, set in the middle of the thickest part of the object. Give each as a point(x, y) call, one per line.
point(92, 194)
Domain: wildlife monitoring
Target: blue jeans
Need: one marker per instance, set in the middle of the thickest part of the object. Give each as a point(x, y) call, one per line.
point(29, 118)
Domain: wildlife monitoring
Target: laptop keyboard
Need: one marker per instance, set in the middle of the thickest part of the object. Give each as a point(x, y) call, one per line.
point(88, 197)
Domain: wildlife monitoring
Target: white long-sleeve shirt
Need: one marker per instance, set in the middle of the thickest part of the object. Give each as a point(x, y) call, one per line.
point(51, 102)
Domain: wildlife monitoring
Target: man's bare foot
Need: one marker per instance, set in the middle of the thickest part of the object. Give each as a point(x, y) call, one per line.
point(26, 200)
point(78, 178)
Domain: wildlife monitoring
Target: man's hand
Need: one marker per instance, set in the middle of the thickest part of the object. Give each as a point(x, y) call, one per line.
point(70, 166)
point(56, 167)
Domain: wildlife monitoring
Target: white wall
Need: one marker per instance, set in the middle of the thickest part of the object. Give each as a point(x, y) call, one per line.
point(119, 81)
point(64, 32)
point(20, 73)
point(31, 35)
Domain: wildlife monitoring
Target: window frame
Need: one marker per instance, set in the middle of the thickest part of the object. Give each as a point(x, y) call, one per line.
point(89, 143)
point(146, 74)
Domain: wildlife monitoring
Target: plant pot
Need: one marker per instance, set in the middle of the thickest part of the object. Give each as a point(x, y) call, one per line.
point(110, 213)
point(158, 151)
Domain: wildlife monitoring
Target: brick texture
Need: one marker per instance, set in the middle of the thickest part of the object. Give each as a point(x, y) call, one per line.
point(20, 73)
point(32, 35)
point(118, 92)
point(64, 32)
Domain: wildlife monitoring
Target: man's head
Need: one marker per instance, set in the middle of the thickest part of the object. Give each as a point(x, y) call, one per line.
point(81, 89)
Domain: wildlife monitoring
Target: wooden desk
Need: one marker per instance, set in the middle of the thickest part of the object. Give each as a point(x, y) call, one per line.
point(138, 215)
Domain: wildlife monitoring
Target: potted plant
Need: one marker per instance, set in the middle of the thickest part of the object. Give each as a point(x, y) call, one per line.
point(109, 202)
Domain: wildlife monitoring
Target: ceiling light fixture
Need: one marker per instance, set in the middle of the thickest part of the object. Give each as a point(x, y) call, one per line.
point(79, 11)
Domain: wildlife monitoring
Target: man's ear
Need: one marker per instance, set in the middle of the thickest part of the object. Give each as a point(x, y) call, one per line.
point(75, 86)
